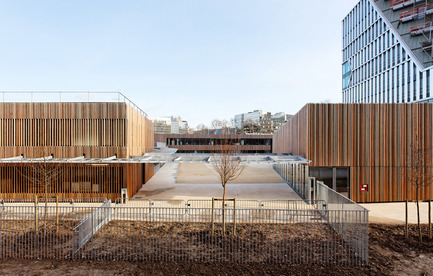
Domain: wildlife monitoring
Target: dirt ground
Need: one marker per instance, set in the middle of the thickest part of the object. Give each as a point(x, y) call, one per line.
point(390, 254)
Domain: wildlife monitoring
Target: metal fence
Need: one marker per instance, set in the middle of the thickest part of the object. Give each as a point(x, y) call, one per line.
point(351, 226)
point(183, 234)
point(207, 203)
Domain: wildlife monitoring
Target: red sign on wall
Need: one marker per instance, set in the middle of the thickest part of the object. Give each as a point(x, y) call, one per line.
point(364, 187)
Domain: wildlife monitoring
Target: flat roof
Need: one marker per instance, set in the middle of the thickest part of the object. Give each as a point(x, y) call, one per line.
point(160, 157)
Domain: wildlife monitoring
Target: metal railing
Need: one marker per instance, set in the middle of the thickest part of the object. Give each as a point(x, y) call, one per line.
point(240, 203)
point(351, 226)
point(67, 96)
point(90, 225)
point(269, 236)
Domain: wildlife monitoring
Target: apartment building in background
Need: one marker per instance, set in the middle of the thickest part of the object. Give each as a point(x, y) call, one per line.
point(260, 122)
point(169, 124)
point(387, 52)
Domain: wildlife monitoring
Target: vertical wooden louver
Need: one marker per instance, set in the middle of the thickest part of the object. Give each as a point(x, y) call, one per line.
point(68, 130)
point(372, 139)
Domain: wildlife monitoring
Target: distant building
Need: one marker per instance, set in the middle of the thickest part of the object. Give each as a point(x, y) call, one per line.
point(279, 119)
point(205, 143)
point(261, 122)
point(256, 121)
point(169, 124)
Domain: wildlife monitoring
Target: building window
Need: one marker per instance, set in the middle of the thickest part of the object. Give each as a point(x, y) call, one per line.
point(408, 82)
point(398, 84)
point(387, 88)
point(420, 85)
point(414, 82)
point(392, 86)
point(427, 73)
point(402, 82)
point(347, 72)
point(398, 53)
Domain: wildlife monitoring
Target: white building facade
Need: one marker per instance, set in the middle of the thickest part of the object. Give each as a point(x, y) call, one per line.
point(387, 52)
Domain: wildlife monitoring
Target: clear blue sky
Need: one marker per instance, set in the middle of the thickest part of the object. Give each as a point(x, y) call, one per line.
point(198, 59)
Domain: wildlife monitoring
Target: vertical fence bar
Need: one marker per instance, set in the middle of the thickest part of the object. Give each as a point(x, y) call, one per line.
point(212, 214)
point(406, 220)
point(36, 216)
point(429, 219)
point(234, 216)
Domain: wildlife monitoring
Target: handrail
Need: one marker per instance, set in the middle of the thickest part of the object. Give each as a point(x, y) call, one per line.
point(414, 11)
point(398, 2)
point(420, 27)
point(120, 97)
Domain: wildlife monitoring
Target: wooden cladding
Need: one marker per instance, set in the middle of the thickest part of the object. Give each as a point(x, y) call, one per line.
point(72, 180)
point(374, 140)
point(97, 130)
point(62, 132)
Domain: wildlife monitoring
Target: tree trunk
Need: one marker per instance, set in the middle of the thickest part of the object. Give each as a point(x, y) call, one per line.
point(224, 204)
point(417, 213)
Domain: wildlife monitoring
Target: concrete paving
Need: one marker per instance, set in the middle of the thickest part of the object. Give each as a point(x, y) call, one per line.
point(394, 212)
point(163, 185)
point(205, 174)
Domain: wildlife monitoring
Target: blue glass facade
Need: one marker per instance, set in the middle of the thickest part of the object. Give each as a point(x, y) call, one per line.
point(378, 67)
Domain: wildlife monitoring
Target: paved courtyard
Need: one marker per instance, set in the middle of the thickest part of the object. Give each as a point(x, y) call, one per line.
point(258, 181)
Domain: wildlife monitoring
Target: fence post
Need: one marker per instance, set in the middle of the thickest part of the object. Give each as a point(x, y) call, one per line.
point(57, 213)
point(429, 219)
point(36, 216)
point(212, 214)
point(234, 217)
point(406, 218)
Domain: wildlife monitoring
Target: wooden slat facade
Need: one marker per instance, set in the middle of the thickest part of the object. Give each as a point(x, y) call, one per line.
point(73, 181)
point(372, 139)
point(97, 130)
point(67, 130)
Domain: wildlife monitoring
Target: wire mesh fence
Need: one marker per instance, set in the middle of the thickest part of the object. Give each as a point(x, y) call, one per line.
point(184, 234)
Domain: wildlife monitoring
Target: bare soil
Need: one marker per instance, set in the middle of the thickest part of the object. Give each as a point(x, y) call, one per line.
point(390, 254)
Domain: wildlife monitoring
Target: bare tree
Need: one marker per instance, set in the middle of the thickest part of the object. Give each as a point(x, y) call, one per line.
point(232, 124)
point(227, 163)
point(216, 124)
point(42, 173)
point(251, 127)
point(419, 173)
point(202, 129)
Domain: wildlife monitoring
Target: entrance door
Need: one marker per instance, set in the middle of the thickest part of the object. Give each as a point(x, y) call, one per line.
point(336, 178)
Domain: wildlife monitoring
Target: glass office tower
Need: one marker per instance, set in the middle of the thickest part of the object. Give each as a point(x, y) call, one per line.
point(387, 52)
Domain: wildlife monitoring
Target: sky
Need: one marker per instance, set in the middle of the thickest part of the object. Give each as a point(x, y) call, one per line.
point(197, 59)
